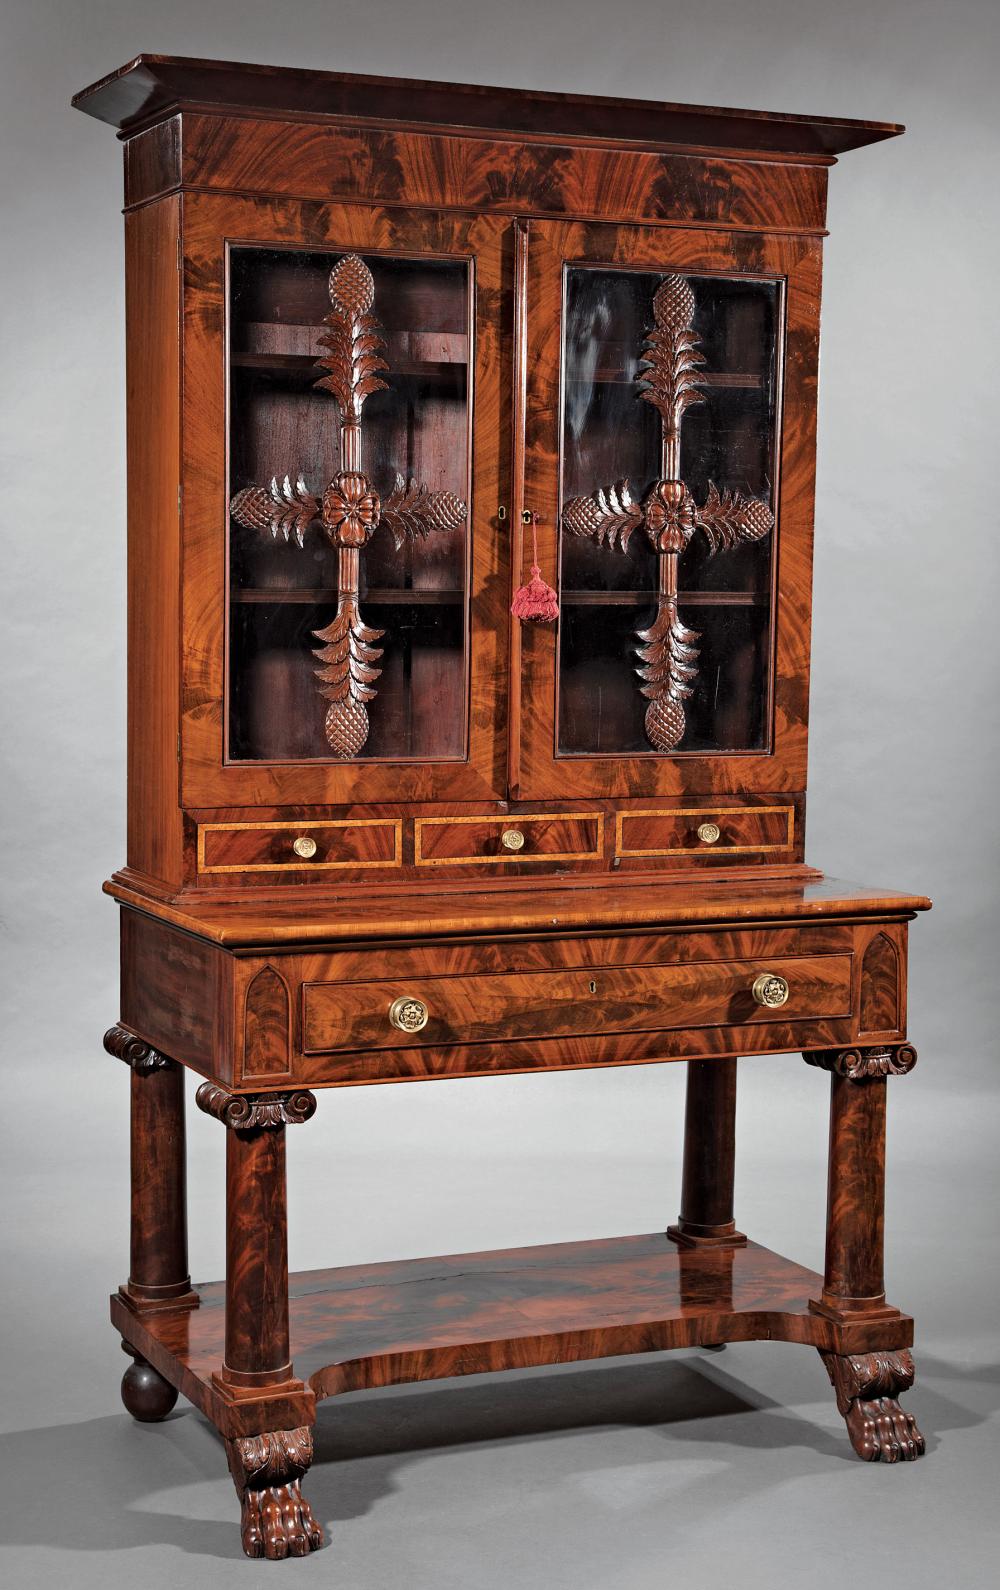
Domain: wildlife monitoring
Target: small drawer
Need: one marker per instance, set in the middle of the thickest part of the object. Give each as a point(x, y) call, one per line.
point(277, 847)
point(732, 830)
point(556, 836)
point(409, 1012)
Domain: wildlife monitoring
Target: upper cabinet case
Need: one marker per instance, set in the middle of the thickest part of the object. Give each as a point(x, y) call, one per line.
point(669, 454)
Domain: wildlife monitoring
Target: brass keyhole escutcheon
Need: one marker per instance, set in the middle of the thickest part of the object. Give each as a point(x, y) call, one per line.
point(512, 839)
point(709, 833)
point(408, 1013)
point(593, 987)
point(770, 989)
point(305, 847)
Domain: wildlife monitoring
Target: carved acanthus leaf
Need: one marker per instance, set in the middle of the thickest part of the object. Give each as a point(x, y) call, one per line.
point(140, 1056)
point(285, 508)
point(353, 338)
point(671, 358)
point(413, 510)
point(862, 1065)
point(244, 1111)
point(729, 518)
point(609, 515)
point(670, 666)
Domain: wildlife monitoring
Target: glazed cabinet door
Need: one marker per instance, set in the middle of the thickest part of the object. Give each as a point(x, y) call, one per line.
point(669, 399)
point(342, 413)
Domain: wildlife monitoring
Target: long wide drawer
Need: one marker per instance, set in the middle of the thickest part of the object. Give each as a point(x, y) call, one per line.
point(550, 1004)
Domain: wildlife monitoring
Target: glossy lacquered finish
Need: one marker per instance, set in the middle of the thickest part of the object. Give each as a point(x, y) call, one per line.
point(447, 843)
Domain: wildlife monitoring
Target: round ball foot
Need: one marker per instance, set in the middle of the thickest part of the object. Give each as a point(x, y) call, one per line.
point(145, 1393)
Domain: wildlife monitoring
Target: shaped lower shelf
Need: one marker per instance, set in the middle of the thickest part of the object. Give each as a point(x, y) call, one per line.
point(425, 1319)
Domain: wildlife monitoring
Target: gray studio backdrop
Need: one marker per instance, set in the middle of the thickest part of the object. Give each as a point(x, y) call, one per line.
point(903, 779)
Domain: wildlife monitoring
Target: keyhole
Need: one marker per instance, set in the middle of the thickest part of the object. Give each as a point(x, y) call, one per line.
point(593, 988)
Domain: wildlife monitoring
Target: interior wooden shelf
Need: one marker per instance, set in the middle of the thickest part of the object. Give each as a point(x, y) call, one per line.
point(324, 595)
point(306, 366)
point(685, 598)
point(609, 377)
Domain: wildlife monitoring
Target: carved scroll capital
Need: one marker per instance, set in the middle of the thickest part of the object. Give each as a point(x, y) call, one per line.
point(267, 1471)
point(867, 1386)
point(244, 1111)
point(862, 1065)
point(142, 1057)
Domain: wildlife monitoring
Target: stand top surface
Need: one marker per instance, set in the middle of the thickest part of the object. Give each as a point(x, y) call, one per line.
point(561, 908)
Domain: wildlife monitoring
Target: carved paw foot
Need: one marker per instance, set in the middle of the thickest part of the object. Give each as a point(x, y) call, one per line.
point(867, 1386)
point(276, 1520)
point(145, 1393)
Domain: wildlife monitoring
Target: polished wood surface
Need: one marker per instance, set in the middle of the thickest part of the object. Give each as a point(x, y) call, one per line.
point(151, 86)
point(423, 1319)
point(462, 889)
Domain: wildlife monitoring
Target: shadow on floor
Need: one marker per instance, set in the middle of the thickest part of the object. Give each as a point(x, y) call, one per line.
point(87, 1486)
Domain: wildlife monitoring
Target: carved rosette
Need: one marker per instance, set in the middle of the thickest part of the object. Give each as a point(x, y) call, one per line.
point(244, 1111)
point(351, 508)
point(863, 1065)
point(671, 381)
point(867, 1386)
point(276, 1520)
point(141, 1057)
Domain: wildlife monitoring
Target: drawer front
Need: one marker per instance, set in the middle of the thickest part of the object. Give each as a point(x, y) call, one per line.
point(736, 830)
point(509, 1006)
point(270, 847)
point(456, 841)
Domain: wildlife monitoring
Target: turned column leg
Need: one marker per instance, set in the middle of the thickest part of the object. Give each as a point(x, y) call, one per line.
point(867, 1384)
point(706, 1217)
point(267, 1468)
point(158, 1264)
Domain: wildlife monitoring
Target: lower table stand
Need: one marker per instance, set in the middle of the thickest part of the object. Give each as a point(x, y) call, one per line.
point(229, 1348)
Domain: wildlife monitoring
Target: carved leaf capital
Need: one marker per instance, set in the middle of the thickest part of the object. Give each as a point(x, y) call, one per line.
point(864, 1065)
point(140, 1056)
point(245, 1111)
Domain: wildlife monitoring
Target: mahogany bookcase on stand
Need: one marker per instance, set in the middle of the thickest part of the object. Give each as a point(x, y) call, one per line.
point(384, 827)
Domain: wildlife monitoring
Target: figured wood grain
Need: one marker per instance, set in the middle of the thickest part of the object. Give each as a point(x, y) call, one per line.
point(444, 841)
point(225, 848)
point(267, 1026)
point(544, 1005)
point(512, 908)
point(176, 990)
point(880, 986)
point(153, 388)
point(708, 1174)
point(766, 830)
point(423, 1319)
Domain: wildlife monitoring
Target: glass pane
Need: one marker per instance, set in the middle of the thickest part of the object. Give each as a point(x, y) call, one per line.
point(370, 533)
point(670, 396)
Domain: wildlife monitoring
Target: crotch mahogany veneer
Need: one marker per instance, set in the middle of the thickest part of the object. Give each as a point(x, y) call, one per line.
point(471, 438)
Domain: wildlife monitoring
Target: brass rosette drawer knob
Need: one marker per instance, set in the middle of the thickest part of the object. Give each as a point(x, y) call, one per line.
point(408, 1013)
point(709, 833)
point(512, 839)
point(304, 846)
point(770, 990)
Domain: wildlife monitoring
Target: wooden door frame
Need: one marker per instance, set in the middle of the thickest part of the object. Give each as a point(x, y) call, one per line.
point(794, 260)
point(211, 224)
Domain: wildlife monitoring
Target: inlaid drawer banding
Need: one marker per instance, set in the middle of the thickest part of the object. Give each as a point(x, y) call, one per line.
point(535, 837)
point(689, 830)
point(311, 846)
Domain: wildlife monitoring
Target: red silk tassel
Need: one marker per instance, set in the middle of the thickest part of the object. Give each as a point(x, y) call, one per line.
point(535, 602)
